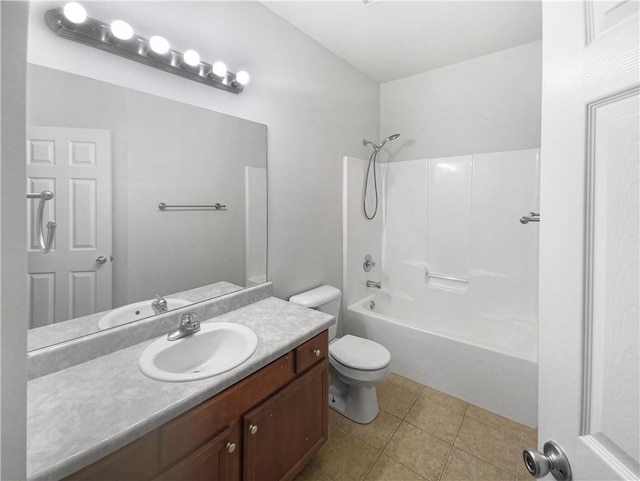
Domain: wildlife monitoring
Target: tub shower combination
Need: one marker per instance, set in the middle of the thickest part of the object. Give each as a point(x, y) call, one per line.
point(457, 301)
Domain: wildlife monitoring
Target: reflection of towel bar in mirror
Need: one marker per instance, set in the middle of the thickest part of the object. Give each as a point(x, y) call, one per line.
point(44, 196)
point(216, 206)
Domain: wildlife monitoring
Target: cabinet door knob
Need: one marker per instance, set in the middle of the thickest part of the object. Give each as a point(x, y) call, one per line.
point(231, 447)
point(317, 352)
point(253, 428)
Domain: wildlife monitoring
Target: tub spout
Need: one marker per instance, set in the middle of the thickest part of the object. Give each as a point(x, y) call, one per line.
point(374, 284)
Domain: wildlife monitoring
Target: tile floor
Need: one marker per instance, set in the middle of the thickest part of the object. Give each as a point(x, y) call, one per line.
point(422, 434)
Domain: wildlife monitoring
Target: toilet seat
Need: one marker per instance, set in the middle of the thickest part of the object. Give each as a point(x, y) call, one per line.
point(358, 353)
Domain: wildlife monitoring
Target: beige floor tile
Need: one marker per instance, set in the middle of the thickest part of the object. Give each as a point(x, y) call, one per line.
point(395, 399)
point(439, 397)
point(388, 469)
point(500, 423)
point(418, 450)
point(529, 438)
point(463, 466)
point(489, 444)
point(404, 383)
point(311, 473)
point(345, 457)
point(435, 418)
point(336, 418)
point(377, 433)
point(522, 474)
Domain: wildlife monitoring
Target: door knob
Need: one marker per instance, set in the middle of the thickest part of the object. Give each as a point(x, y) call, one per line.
point(317, 352)
point(551, 460)
point(253, 428)
point(231, 447)
point(101, 260)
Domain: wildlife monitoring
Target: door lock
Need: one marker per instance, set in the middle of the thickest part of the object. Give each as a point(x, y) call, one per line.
point(551, 460)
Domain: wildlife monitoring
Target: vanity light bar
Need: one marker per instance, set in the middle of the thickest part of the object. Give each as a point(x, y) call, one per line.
point(97, 34)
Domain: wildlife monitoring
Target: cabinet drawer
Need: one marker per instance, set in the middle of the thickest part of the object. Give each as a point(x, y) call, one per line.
point(312, 351)
point(190, 431)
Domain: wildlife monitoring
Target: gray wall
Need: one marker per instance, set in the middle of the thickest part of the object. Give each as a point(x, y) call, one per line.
point(487, 104)
point(13, 256)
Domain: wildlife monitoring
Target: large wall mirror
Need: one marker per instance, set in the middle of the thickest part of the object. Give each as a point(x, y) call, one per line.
point(112, 155)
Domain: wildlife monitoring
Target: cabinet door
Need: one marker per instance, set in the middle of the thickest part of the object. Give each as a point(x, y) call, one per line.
point(219, 459)
point(284, 432)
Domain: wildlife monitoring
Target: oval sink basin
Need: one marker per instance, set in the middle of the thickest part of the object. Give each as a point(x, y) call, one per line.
point(216, 348)
point(134, 312)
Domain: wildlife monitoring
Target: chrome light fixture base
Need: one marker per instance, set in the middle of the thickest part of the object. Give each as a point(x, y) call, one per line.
point(97, 34)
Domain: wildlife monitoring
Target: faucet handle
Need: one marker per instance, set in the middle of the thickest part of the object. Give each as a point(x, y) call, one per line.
point(189, 322)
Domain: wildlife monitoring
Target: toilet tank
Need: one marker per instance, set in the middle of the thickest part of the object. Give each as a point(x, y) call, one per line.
point(325, 299)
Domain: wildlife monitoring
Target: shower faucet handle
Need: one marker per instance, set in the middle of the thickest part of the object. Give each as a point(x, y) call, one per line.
point(368, 263)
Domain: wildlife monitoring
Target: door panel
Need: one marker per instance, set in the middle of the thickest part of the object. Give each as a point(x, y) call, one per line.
point(589, 366)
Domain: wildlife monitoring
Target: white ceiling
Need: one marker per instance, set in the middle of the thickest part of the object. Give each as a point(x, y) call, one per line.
point(392, 39)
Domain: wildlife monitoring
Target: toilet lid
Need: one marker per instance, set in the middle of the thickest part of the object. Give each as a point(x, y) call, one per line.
point(359, 353)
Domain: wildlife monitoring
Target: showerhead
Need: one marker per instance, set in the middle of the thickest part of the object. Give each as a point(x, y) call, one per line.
point(378, 147)
point(391, 137)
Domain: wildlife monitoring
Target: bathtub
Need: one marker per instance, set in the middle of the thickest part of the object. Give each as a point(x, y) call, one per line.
point(486, 361)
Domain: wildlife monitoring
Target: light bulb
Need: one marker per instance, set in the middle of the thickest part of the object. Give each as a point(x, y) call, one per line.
point(121, 30)
point(242, 77)
point(219, 69)
point(74, 12)
point(191, 57)
point(159, 44)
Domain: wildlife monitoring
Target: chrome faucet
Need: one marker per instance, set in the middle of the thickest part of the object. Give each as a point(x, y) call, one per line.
point(159, 305)
point(188, 325)
point(374, 284)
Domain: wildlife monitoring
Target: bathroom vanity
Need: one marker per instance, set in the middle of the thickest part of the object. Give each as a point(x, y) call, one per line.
point(264, 428)
point(263, 420)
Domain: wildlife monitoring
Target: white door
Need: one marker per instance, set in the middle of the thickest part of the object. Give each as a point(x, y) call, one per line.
point(75, 164)
point(589, 366)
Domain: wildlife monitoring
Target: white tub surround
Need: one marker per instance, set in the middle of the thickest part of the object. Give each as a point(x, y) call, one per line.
point(104, 404)
point(459, 274)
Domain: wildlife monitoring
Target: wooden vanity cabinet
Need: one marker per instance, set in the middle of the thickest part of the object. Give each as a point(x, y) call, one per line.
point(281, 434)
point(266, 427)
point(217, 459)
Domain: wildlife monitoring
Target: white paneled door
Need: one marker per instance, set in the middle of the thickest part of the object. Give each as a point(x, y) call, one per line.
point(589, 364)
point(74, 278)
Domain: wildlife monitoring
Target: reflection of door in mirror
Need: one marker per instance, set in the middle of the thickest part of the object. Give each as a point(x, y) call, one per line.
point(69, 281)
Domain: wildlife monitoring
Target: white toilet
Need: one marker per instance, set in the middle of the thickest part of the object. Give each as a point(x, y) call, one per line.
point(356, 364)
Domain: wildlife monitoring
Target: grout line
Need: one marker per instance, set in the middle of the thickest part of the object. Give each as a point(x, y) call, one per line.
point(453, 444)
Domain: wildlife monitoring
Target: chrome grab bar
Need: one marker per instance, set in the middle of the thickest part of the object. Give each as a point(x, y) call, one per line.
point(216, 206)
point(428, 274)
point(44, 196)
point(532, 217)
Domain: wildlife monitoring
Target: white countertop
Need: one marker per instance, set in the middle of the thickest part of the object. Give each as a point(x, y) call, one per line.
point(80, 414)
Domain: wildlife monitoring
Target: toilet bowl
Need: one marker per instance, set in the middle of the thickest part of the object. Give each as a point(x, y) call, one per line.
point(356, 364)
